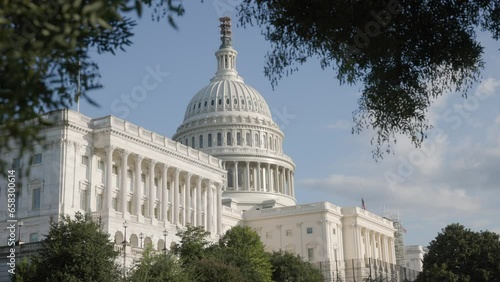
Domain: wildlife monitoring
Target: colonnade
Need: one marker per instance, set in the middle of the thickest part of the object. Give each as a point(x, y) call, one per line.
point(376, 246)
point(259, 176)
point(182, 198)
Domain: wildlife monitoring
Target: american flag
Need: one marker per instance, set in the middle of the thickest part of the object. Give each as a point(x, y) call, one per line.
point(363, 206)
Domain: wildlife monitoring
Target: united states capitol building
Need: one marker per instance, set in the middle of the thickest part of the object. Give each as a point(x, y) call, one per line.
point(224, 166)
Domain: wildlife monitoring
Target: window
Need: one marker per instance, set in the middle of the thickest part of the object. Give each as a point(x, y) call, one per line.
point(270, 143)
point(16, 163)
point(114, 203)
point(35, 203)
point(269, 235)
point(143, 209)
point(219, 139)
point(309, 230)
point(37, 158)
point(212, 102)
point(186, 142)
point(115, 170)
point(209, 140)
point(199, 105)
point(229, 140)
point(265, 142)
point(201, 142)
point(310, 254)
point(156, 181)
point(205, 104)
point(227, 101)
point(100, 165)
point(84, 201)
point(235, 101)
point(99, 203)
point(85, 160)
point(334, 231)
point(130, 182)
point(129, 206)
point(238, 139)
point(192, 142)
point(248, 139)
point(33, 237)
point(143, 178)
point(257, 140)
point(289, 232)
point(220, 101)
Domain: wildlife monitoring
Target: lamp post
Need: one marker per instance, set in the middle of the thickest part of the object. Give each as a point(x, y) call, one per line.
point(165, 233)
point(19, 242)
point(141, 236)
point(125, 225)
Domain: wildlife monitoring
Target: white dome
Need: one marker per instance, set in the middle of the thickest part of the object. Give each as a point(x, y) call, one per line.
point(227, 97)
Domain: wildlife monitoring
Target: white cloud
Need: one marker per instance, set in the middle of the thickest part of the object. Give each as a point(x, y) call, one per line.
point(340, 124)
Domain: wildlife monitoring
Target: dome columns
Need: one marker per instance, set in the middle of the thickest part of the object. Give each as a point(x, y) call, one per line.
point(259, 177)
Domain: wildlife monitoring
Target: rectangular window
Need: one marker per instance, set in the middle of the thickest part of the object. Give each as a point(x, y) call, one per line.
point(33, 237)
point(130, 182)
point(114, 203)
point(143, 209)
point(37, 158)
point(156, 213)
point(129, 206)
point(85, 160)
point(156, 181)
point(99, 201)
point(115, 170)
point(289, 232)
point(310, 254)
point(35, 204)
point(84, 200)
point(16, 163)
point(100, 165)
point(143, 178)
point(309, 230)
point(334, 231)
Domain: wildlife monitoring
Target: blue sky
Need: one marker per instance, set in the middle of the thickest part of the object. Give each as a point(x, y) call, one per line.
point(454, 178)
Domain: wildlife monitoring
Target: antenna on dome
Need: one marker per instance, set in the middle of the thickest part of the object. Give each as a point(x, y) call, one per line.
point(225, 31)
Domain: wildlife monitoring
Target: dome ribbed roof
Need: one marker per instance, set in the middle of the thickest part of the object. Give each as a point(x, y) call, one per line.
point(226, 97)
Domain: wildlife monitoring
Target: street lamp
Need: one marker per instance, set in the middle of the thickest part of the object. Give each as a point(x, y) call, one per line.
point(165, 233)
point(125, 225)
point(19, 242)
point(141, 236)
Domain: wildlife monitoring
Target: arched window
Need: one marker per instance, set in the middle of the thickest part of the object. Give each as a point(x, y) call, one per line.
point(210, 140)
point(227, 101)
point(229, 140)
point(270, 143)
point(235, 101)
point(192, 142)
point(220, 101)
point(213, 102)
point(199, 105)
point(201, 142)
point(205, 103)
point(219, 139)
point(249, 139)
point(238, 139)
point(257, 140)
point(265, 142)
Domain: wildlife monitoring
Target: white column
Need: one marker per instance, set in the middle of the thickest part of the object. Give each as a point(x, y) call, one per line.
point(292, 181)
point(138, 192)
point(187, 193)
point(247, 176)
point(259, 178)
point(283, 190)
point(176, 197)
point(123, 180)
point(289, 190)
point(164, 201)
point(219, 208)
point(210, 202)
point(199, 203)
point(152, 195)
point(276, 180)
point(268, 176)
point(235, 182)
point(109, 183)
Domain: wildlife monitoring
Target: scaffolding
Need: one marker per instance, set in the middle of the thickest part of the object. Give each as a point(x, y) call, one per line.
point(399, 245)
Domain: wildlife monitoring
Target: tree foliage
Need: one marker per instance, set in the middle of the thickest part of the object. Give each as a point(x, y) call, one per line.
point(74, 250)
point(192, 245)
point(291, 267)
point(459, 254)
point(158, 267)
point(44, 48)
point(241, 247)
point(405, 53)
